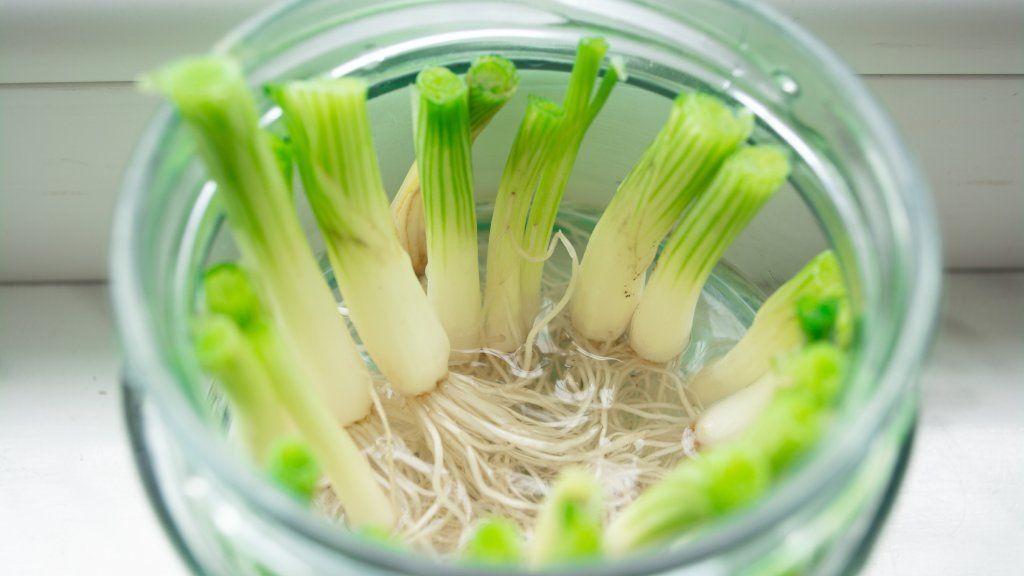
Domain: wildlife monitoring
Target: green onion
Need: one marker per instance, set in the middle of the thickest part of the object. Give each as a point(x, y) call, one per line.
point(225, 354)
point(698, 490)
point(533, 183)
point(794, 420)
point(495, 541)
point(776, 330)
point(813, 374)
point(661, 324)
point(330, 130)
point(285, 154)
point(492, 80)
point(504, 325)
point(446, 173)
point(292, 466)
point(569, 526)
point(699, 134)
point(582, 105)
point(350, 474)
point(212, 97)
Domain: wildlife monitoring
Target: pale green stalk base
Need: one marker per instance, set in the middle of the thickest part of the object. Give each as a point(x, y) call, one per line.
point(330, 126)
point(214, 100)
point(394, 317)
point(700, 132)
point(257, 419)
point(748, 361)
point(611, 279)
point(343, 384)
point(582, 103)
point(661, 325)
point(457, 299)
point(774, 331)
point(446, 173)
point(505, 328)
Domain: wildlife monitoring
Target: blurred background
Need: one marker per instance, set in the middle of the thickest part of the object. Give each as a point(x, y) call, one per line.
point(951, 73)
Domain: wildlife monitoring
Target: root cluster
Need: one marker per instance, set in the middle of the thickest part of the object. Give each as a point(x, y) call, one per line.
point(491, 438)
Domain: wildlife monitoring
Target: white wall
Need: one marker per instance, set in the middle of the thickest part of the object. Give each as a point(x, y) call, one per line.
point(950, 71)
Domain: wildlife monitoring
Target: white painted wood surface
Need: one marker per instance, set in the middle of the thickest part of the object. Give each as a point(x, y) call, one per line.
point(63, 149)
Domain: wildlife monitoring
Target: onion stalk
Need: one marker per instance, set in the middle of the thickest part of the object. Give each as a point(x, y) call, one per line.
point(256, 418)
point(531, 190)
point(505, 327)
point(330, 129)
point(731, 475)
point(363, 500)
point(777, 329)
point(213, 99)
point(446, 173)
point(699, 134)
point(582, 103)
point(492, 80)
point(660, 329)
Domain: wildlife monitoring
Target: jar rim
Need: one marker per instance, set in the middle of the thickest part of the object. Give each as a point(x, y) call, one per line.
point(832, 460)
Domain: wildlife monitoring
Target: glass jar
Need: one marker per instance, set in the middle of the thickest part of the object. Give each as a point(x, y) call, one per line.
point(854, 187)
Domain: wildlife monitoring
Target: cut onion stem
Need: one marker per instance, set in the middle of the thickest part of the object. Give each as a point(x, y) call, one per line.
point(446, 172)
point(213, 99)
point(492, 80)
point(330, 128)
point(229, 294)
point(700, 133)
point(660, 329)
point(776, 330)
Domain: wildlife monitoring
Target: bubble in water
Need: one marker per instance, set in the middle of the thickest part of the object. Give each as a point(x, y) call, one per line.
point(786, 83)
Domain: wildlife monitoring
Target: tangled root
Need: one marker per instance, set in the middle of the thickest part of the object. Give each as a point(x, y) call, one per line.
point(490, 440)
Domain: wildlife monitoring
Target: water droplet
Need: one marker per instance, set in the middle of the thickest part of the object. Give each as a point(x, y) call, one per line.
point(786, 83)
point(726, 85)
point(738, 72)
